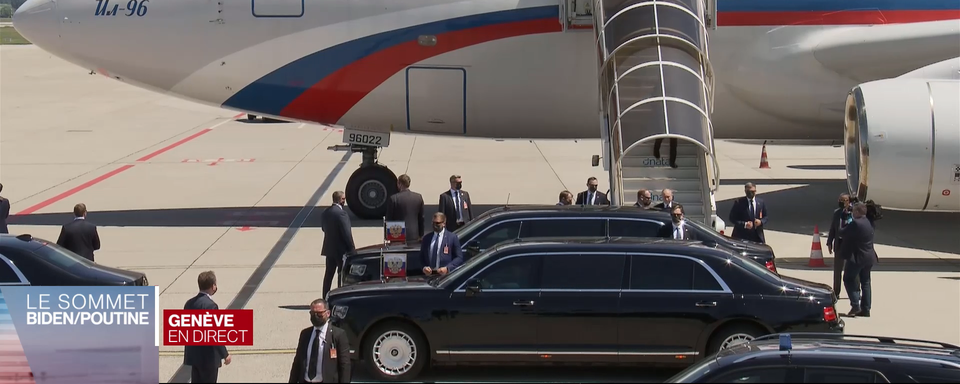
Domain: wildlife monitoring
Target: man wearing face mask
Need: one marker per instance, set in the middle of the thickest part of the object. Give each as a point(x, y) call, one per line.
point(456, 204)
point(323, 350)
point(337, 239)
point(841, 217)
point(678, 229)
point(749, 215)
point(592, 196)
point(440, 252)
point(204, 361)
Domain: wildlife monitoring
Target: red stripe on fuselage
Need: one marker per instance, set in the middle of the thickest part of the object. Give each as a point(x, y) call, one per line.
point(328, 100)
point(741, 19)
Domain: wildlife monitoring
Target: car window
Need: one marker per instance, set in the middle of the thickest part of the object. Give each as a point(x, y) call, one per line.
point(841, 375)
point(498, 233)
point(7, 275)
point(634, 228)
point(31, 266)
point(755, 375)
point(564, 228)
point(521, 272)
point(582, 271)
point(670, 273)
point(60, 256)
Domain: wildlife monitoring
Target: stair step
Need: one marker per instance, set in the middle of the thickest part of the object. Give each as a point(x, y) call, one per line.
point(689, 173)
point(648, 161)
point(646, 150)
point(659, 184)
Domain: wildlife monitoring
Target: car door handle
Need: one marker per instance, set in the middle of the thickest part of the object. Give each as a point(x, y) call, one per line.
point(707, 304)
point(522, 303)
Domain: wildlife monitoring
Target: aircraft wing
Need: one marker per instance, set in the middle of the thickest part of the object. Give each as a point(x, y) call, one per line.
point(866, 53)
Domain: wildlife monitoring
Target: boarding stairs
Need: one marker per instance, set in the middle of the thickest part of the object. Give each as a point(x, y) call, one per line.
point(655, 82)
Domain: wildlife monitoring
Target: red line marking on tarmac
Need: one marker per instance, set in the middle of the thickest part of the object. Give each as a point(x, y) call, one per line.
point(88, 184)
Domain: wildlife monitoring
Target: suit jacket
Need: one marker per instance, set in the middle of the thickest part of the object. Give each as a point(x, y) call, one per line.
point(203, 357)
point(857, 244)
point(662, 207)
point(4, 214)
point(601, 198)
point(80, 236)
point(332, 370)
point(740, 214)
point(448, 207)
point(452, 258)
point(337, 233)
point(407, 206)
point(837, 223)
point(666, 231)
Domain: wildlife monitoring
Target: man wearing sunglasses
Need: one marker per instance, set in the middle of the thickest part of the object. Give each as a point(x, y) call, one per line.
point(440, 251)
point(323, 352)
point(678, 229)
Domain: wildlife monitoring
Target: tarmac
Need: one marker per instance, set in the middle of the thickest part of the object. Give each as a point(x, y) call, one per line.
point(178, 188)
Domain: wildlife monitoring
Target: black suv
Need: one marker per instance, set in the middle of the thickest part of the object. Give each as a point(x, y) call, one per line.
point(28, 260)
point(577, 300)
point(828, 358)
point(521, 222)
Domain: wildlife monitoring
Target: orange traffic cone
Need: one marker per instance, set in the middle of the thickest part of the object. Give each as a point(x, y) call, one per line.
point(763, 157)
point(816, 253)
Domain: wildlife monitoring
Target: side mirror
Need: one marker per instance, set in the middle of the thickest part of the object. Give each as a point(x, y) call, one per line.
point(473, 287)
point(473, 247)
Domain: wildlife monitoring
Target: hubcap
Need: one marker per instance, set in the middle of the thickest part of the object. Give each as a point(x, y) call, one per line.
point(735, 340)
point(373, 194)
point(394, 353)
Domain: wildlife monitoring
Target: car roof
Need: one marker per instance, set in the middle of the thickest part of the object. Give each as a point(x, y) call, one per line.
point(626, 211)
point(624, 244)
point(842, 345)
point(22, 240)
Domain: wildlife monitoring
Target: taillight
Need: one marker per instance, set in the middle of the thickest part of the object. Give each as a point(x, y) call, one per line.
point(771, 266)
point(829, 314)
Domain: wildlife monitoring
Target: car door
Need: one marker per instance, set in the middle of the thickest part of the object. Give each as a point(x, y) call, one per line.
point(564, 227)
point(578, 307)
point(10, 275)
point(670, 301)
point(498, 323)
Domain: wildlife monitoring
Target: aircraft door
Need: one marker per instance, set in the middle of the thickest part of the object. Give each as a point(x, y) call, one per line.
point(436, 100)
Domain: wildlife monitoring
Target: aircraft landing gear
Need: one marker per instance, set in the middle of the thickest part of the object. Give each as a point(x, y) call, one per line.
point(369, 187)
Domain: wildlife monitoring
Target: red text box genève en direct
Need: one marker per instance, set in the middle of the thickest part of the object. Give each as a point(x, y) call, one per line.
point(227, 327)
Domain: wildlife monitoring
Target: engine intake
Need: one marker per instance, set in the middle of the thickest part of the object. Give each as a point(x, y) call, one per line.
point(902, 143)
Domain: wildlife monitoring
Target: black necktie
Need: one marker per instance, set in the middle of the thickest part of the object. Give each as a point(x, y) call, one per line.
point(752, 214)
point(314, 352)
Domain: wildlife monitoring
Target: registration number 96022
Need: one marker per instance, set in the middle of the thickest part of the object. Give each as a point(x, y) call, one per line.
point(376, 139)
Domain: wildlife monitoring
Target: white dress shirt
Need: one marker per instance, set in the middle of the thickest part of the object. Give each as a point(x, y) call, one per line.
point(313, 338)
point(679, 230)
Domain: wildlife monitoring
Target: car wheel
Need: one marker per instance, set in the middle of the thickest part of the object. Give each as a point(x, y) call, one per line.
point(731, 336)
point(395, 351)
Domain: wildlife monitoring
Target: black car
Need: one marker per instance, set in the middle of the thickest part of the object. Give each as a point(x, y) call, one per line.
point(829, 358)
point(577, 300)
point(28, 260)
point(521, 222)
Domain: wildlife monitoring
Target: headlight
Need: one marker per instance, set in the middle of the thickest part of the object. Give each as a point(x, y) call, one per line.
point(340, 311)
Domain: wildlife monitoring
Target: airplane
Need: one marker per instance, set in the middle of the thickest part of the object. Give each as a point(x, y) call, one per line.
point(783, 69)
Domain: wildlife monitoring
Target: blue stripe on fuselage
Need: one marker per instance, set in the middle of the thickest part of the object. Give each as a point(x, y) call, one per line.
point(834, 5)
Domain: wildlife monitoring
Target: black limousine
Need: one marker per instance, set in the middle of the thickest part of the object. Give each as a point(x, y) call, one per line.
point(520, 222)
point(28, 260)
point(577, 300)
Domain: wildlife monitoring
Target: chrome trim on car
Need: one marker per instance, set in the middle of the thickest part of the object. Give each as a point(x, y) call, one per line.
point(593, 353)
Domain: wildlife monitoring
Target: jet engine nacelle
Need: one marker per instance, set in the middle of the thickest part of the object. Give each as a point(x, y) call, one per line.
point(902, 141)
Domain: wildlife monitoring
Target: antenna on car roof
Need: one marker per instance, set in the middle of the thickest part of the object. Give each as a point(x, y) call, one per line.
point(508, 200)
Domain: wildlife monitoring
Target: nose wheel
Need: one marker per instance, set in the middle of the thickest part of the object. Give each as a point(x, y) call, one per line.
point(369, 189)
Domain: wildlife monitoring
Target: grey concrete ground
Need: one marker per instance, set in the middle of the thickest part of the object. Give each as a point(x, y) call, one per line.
point(170, 213)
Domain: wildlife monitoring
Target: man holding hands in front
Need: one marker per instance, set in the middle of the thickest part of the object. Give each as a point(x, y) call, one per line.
point(440, 252)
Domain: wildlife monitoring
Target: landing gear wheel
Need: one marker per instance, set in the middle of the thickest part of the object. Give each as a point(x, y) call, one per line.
point(368, 191)
point(732, 336)
point(395, 351)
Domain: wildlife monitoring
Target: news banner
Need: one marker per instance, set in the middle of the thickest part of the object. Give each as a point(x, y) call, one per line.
point(102, 334)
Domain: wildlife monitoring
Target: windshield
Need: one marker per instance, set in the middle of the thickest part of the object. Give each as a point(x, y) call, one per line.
point(471, 226)
point(692, 373)
point(463, 268)
point(60, 256)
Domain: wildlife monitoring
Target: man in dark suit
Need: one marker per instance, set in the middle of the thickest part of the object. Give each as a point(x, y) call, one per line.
point(4, 212)
point(749, 216)
point(841, 217)
point(566, 198)
point(644, 199)
point(677, 230)
point(204, 361)
point(440, 252)
point(407, 206)
point(80, 236)
point(323, 350)
point(857, 248)
point(337, 238)
point(592, 196)
point(667, 204)
point(456, 204)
